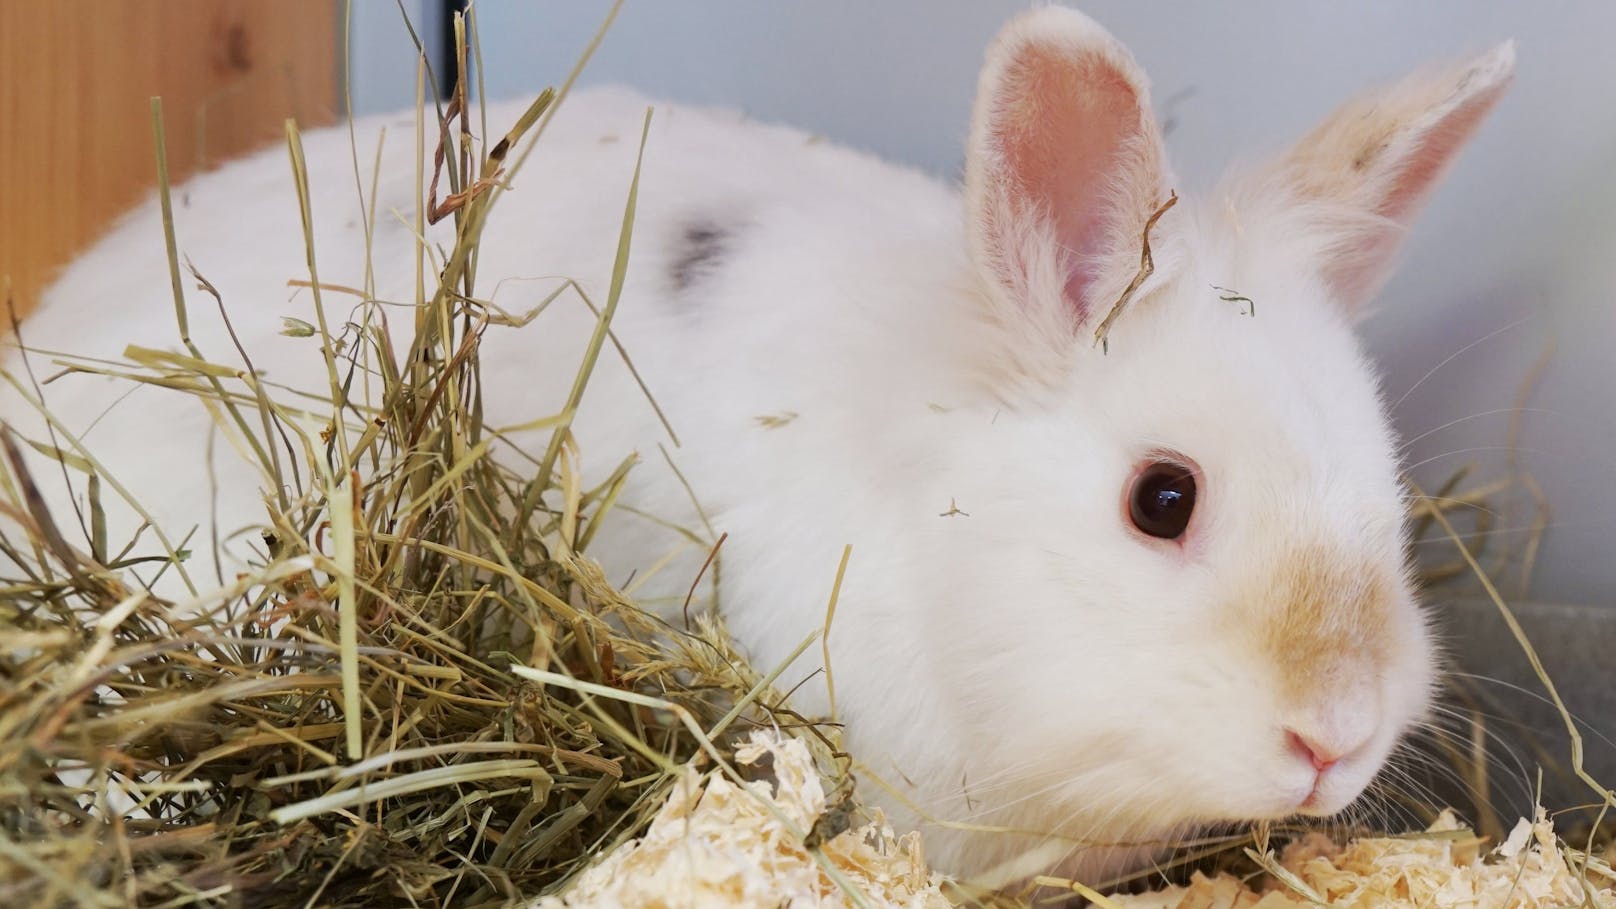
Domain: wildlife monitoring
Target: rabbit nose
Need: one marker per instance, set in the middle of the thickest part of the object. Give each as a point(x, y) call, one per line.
point(1323, 757)
point(1326, 734)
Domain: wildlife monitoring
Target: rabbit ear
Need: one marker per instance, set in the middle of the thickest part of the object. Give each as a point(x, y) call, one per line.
point(1376, 159)
point(1064, 166)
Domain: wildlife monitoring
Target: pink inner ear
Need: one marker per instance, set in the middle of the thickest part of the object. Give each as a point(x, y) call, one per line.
point(1360, 268)
point(1430, 157)
point(1063, 127)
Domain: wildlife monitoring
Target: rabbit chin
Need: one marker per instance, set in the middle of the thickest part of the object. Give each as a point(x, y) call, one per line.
point(1094, 847)
point(1095, 823)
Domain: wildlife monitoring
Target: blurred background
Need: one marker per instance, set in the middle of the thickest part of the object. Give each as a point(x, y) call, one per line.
point(1497, 336)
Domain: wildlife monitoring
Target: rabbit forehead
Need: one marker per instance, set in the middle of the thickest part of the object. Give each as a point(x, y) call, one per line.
point(1241, 338)
point(1282, 392)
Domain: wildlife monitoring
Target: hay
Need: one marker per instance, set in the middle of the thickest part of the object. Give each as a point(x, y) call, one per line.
point(425, 693)
point(341, 725)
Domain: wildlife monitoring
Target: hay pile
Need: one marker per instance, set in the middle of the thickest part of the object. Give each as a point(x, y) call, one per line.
point(342, 725)
point(425, 693)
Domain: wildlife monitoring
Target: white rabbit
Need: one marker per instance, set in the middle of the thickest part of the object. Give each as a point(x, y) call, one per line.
point(1099, 595)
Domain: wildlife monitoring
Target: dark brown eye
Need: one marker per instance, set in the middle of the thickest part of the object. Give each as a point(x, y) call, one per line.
point(1162, 500)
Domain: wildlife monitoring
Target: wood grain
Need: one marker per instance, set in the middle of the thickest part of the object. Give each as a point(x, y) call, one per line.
point(75, 127)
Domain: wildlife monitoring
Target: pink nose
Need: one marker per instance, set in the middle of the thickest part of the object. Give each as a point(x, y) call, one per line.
point(1321, 756)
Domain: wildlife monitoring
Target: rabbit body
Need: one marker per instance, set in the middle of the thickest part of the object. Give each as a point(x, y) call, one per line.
point(853, 353)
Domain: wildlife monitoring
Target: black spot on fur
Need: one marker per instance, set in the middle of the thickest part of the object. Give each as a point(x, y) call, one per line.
point(700, 246)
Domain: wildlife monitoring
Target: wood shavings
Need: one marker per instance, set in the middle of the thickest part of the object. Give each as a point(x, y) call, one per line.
point(1447, 868)
point(718, 844)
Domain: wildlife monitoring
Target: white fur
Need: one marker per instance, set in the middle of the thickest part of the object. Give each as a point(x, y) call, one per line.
point(1030, 663)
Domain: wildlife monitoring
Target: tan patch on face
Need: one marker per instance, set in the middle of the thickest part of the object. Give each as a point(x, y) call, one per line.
point(1326, 617)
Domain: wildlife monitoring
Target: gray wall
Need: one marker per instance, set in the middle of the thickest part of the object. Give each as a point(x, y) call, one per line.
point(1519, 247)
point(381, 53)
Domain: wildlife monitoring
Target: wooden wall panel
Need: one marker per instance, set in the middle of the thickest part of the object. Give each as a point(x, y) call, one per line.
point(75, 129)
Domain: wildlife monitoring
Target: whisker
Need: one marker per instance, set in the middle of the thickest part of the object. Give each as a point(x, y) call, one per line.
point(1405, 444)
point(1458, 353)
point(1478, 449)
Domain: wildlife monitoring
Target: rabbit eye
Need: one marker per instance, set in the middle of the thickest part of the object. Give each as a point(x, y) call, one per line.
point(1162, 499)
